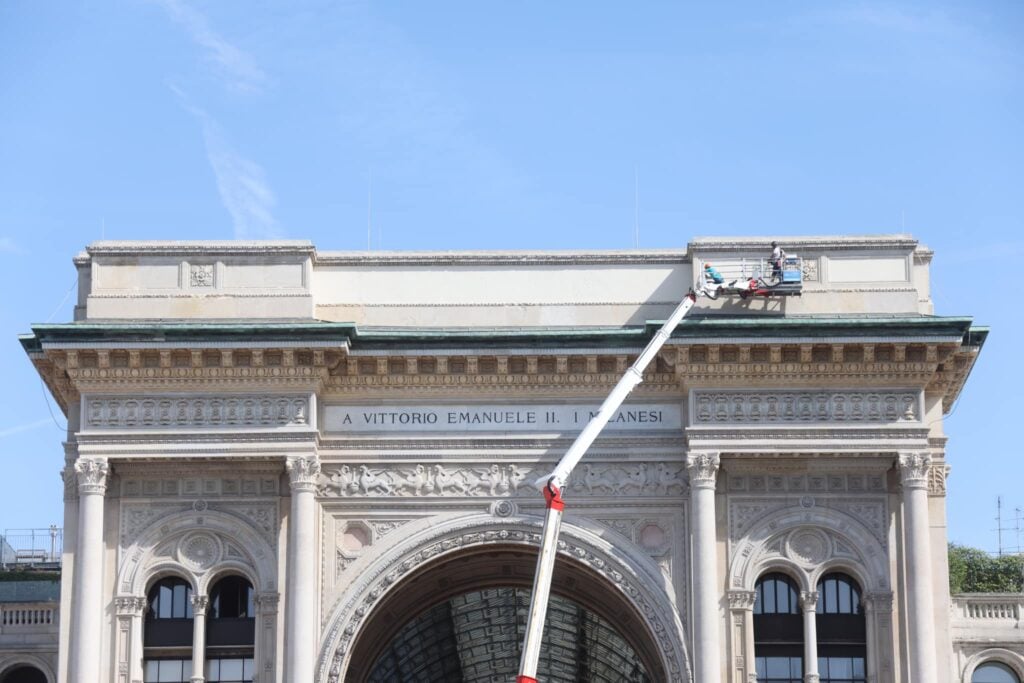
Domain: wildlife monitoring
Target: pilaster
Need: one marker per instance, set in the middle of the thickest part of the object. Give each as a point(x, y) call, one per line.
point(741, 612)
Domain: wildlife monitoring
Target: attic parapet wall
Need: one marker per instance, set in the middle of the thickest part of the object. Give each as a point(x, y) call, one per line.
point(290, 280)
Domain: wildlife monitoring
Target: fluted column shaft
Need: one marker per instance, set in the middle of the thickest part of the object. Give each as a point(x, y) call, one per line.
point(87, 584)
point(300, 607)
point(809, 604)
point(914, 469)
point(199, 605)
point(703, 471)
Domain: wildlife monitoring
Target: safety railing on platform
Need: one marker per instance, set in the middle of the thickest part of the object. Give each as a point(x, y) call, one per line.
point(31, 547)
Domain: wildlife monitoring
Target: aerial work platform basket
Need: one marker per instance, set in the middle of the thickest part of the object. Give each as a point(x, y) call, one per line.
point(752, 277)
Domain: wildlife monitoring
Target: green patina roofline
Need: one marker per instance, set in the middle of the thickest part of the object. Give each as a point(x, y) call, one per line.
point(319, 331)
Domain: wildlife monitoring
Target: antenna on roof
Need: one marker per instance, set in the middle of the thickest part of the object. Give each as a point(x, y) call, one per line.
point(636, 207)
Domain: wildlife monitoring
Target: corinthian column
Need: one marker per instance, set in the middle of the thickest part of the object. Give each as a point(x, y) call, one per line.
point(918, 582)
point(300, 605)
point(87, 583)
point(809, 605)
point(707, 657)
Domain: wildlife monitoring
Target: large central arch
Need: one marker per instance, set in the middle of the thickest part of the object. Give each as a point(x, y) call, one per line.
point(446, 557)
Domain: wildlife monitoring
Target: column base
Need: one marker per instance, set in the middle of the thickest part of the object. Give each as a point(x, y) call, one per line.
point(811, 678)
point(198, 679)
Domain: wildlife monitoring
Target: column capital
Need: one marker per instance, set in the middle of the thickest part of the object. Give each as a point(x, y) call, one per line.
point(878, 602)
point(200, 603)
point(267, 602)
point(92, 475)
point(741, 600)
point(809, 600)
point(303, 472)
point(703, 469)
point(130, 605)
point(914, 468)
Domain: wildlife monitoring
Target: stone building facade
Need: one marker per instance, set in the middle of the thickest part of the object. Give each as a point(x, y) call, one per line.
point(292, 465)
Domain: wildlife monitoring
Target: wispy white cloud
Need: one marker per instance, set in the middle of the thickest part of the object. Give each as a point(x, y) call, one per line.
point(238, 69)
point(241, 182)
point(27, 427)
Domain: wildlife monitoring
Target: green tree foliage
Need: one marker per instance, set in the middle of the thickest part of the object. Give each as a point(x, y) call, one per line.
point(975, 571)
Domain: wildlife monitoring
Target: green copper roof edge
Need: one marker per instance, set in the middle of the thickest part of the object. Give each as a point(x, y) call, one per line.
point(320, 330)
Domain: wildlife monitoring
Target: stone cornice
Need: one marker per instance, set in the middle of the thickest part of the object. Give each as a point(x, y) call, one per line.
point(203, 248)
point(748, 245)
point(500, 258)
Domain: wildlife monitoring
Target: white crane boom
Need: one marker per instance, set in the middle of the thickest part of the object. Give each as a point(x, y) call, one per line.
point(553, 484)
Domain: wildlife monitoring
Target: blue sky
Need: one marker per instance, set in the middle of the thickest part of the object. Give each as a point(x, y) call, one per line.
point(515, 125)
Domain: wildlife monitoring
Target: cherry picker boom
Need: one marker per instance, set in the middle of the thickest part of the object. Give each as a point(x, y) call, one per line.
point(788, 282)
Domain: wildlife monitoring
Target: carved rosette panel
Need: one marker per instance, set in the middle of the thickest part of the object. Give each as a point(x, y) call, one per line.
point(199, 551)
point(808, 547)
point(437, 480)
point(92, 475)
point(800, 407)
point(207, 412)
point(914, 470)
point(201, 275)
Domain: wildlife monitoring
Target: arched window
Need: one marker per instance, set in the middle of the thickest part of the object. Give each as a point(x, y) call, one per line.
point(994, 672)
point(841, 630)
point(167, 634)
point(231, 631)
point(778, 630)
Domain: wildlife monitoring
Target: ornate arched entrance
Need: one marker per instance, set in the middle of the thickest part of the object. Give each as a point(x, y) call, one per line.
point(471, 570)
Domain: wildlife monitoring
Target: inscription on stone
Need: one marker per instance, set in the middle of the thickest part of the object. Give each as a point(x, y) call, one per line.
point(495, 418)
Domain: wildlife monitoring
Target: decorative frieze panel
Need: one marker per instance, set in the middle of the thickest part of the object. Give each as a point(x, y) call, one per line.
point(241, 486)
point(808, 483)
point(458, 480)
point(208, 412)
point(801, 407)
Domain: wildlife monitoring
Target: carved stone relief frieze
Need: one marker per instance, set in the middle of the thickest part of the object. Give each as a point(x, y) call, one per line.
point(483, 480)
point(799, 407)
point(206, 412)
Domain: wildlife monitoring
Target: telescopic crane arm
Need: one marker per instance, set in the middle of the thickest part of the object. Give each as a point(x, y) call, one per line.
point(554, 483)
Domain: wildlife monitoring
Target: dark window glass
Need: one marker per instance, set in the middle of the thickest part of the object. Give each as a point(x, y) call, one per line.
point(776, 594)
point(838, 594)
point(170, 599)
point(232, 598)
point(779, 669)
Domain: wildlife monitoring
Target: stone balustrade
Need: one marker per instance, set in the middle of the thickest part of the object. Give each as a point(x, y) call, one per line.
point(28, 617)
point(972, 610)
